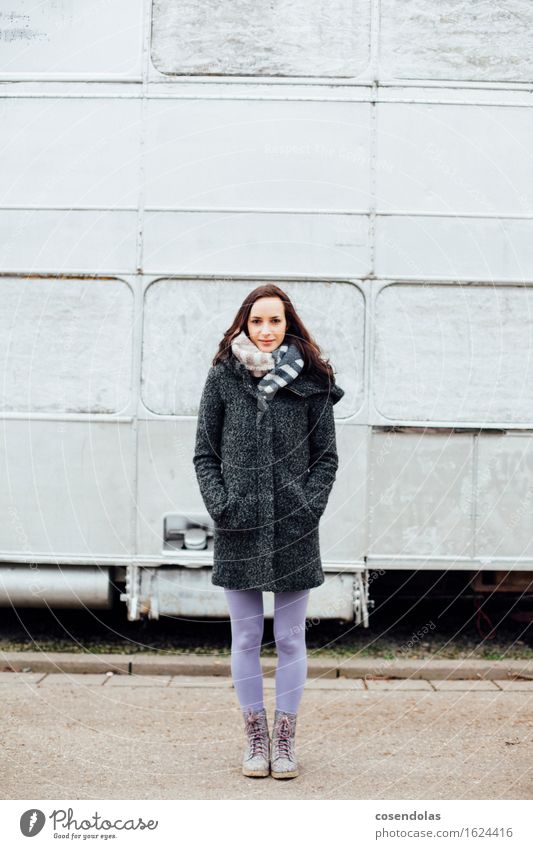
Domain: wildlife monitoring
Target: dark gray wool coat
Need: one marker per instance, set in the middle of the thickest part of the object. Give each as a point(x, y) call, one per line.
point(265, 485)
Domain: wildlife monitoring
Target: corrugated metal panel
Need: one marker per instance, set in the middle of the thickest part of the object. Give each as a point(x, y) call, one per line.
point(176, 324)
point(454, 247)
point(67, 241)
point(71, 37)
point(457, 40)
point(68, 492)
point(262, 155)
point(75, 153)
point(454, 354)
point(420, 496)
point(252, 243)
point(440, 158)
point(267, 37)
point(504, 504)
point(65, 346)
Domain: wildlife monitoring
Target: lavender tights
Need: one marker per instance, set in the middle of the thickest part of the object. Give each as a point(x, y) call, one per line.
point(247, 621)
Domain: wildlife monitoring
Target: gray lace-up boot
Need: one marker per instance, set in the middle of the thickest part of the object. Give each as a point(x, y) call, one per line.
point(256, 760)
point(284, 763)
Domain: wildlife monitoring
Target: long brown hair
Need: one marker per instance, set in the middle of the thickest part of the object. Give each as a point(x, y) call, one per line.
point(315, 364)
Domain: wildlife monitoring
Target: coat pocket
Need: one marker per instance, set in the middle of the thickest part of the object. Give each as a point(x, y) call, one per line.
point(310, 512)
point(240, 512)
point(296, 506)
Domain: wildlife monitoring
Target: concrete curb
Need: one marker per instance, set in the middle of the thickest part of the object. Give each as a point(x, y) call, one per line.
point(192, 664)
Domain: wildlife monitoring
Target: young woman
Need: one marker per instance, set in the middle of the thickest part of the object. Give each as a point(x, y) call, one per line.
point(266, 459)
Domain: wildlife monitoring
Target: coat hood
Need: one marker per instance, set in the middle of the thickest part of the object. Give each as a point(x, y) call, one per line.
point(303, 384)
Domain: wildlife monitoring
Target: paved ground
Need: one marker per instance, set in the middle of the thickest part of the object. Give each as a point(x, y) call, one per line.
point(180, 737)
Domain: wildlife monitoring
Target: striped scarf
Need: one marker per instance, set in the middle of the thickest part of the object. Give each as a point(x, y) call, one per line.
point(277, 368)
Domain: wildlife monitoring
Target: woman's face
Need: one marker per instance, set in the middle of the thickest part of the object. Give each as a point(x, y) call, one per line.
point(267, 323)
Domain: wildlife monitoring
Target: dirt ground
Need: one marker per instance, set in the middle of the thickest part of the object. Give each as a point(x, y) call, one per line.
point(156, 737)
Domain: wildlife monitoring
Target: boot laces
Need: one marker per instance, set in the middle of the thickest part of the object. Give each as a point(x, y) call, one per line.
point(283, 737)
point(256, 734)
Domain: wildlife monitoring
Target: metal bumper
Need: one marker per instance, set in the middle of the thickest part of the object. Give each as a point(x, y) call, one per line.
point(180, 591)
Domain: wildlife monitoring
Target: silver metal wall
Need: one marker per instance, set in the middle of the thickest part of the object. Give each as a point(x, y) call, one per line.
point(372, 157)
